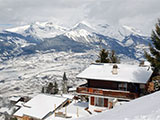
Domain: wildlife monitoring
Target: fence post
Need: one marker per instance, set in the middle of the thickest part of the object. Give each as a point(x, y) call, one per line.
point(77, 112)
point(66, 111)
point(54, 110)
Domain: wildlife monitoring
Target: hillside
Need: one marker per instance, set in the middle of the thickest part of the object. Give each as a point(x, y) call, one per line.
point(144, 108)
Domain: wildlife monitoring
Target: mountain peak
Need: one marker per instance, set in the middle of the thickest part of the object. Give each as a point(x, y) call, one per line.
point(132, 30)
point(18, 29)
point(82, 25)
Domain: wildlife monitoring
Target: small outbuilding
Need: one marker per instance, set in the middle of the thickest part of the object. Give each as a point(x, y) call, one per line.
point(40, 107)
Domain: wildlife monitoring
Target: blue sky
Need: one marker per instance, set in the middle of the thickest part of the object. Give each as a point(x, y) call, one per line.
point(141, 14)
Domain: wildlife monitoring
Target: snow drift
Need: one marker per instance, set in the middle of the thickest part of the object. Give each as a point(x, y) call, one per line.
point(144, 108)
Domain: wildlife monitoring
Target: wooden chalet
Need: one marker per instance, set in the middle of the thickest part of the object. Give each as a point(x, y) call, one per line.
point(107, 83)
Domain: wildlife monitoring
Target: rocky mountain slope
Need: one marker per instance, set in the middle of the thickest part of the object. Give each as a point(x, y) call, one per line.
point(125, 40)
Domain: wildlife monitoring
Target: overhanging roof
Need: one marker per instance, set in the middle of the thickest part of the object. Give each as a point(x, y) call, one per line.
point(40, 105)
point(126, 73)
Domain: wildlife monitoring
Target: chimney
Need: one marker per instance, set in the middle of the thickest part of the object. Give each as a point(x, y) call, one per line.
point(114, 70)
point(141, 64)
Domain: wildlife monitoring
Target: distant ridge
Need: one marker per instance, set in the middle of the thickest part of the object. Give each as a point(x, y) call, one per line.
point(28, 39)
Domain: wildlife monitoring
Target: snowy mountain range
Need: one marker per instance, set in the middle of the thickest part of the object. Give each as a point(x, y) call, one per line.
point(47, 50)
point(125, 40)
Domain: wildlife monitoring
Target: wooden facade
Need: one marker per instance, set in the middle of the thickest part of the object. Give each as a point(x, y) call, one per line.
point(102, 84)
point(92, 101)
point(132, 87)
point(101, 91)
point(24, 118)
point(107, 93)
point(105, 102)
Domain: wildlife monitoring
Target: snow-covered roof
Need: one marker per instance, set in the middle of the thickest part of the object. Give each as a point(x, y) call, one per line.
point(72, 89)
point(15, 98)
point(3, 109)
point(40, 106)
point(126, 73)
point(20, 104)
point(69, 96)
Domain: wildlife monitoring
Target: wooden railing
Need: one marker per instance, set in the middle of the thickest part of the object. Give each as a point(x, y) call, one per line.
point(107, 93)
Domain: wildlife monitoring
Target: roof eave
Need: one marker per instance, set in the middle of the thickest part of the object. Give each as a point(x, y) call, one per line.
point(112, 80)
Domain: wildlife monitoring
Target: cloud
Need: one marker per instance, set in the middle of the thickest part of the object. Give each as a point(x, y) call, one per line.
point(137, 13)
point(18, 11)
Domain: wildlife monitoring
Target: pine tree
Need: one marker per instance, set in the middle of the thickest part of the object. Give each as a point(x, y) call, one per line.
point(42, 90)
point(14, 118)
point(113, 57)
point(154, 57)
point(56, 88)
point(103, 57)
point(156, 80)
point(49, 88)
point(107, 57)
point(64, 83)
point(64, 77)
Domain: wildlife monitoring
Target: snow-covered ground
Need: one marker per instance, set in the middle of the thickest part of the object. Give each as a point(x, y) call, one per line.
point(74, 110)
point(144, 108)
point(27, 74)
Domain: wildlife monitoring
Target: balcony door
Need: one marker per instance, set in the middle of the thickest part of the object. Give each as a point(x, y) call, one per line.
point(100, 102)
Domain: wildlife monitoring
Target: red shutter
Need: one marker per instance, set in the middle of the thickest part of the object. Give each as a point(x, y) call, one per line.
point(105, 102)
point(92, 100)
point(90, 90)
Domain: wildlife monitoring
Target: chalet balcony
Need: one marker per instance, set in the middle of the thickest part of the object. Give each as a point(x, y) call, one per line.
point(106, 93)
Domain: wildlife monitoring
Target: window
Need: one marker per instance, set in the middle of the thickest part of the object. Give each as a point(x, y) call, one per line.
point(99, 102)
point(122, 86)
